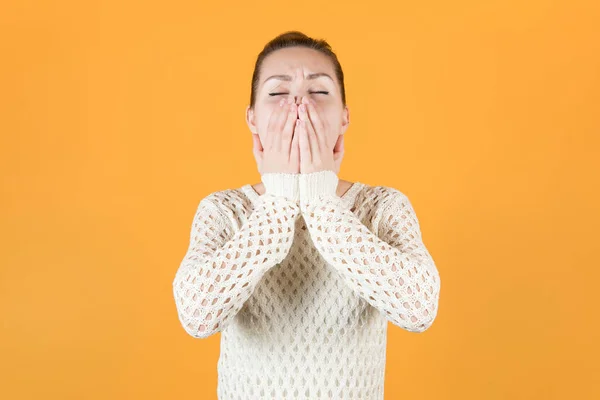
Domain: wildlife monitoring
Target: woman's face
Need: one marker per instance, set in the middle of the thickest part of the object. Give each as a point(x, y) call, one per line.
point(287, 73)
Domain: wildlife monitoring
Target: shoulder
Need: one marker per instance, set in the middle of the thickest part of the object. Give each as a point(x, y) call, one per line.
point(230, 199)
point(232, 204)
point(380, 197)
point(377, 202)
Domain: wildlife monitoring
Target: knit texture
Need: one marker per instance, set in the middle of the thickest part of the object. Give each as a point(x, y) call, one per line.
point(301, 284)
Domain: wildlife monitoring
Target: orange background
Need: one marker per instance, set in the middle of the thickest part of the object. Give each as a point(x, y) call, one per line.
point(117, 117)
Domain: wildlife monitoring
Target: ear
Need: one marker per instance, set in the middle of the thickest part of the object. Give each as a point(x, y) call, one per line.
point(345, 119)
point(250, 119)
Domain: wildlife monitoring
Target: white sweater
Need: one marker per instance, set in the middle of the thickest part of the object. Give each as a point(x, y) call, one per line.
point(301, 283)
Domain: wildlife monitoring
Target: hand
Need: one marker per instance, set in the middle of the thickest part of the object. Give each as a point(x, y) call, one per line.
point(316, 154)
point(280, 152)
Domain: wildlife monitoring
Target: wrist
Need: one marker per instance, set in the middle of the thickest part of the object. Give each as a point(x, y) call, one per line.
point(282, 184)
point(316, 184)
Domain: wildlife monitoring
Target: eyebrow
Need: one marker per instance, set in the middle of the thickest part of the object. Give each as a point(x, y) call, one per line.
point(289, 78)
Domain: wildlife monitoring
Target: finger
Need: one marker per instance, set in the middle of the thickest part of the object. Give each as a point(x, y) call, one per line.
point(257, 148)
point(288, 129)
point(281, 120)
point(317, 123)
point(339, 144)
point(310, 132)
point(256, 142)
point(338, 149)
point(303, 145)
point(272, 125)
point(294, 150)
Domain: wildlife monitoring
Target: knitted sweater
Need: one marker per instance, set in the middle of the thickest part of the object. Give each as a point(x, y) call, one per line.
point(301, 283)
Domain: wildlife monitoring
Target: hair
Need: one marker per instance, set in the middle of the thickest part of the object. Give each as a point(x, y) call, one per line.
point(293, 39)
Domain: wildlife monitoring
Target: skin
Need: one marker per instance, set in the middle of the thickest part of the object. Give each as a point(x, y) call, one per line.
point(298, 63)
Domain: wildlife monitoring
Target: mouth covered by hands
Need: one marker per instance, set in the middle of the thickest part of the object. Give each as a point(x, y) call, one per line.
point(298, 142)
point(314, 134)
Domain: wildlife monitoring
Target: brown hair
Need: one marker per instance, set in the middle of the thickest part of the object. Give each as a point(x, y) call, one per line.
point(291, 39)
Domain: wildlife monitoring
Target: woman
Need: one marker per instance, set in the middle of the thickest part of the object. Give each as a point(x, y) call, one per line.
point(301, 272)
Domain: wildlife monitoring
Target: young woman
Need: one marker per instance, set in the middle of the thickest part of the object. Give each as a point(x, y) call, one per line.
point(301, 273)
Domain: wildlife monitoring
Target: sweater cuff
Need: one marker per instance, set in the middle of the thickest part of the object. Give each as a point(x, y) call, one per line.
point(282, 184)
point(316, 184)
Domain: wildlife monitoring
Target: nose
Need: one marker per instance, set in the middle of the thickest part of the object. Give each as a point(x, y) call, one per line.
point(298, 100)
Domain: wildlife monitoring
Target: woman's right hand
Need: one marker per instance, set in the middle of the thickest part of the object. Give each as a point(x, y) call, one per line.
point(281, 151)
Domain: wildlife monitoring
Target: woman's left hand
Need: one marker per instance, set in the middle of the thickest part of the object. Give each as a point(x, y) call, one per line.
point(316, 154)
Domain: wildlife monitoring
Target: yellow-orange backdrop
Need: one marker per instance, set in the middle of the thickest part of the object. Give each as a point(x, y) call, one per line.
point(117, 117)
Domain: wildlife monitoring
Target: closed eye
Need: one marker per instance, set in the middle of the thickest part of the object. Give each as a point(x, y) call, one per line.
point(279, 93)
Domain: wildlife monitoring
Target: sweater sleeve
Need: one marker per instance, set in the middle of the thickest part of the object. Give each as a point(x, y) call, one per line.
point(392, 269)
point(222, 265)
